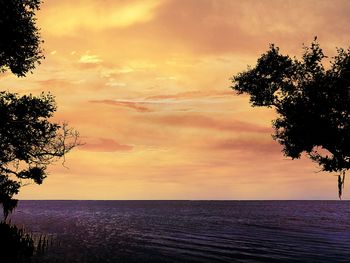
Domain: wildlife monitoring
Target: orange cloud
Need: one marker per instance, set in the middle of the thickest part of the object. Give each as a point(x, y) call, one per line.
point(103, 145)
point(190, 95)
point(129, 104)
point(248, 146)
point(205, 122)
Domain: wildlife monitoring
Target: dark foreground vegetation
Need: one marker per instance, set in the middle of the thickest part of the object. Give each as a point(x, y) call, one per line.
point(19, 246)
point(29, 140)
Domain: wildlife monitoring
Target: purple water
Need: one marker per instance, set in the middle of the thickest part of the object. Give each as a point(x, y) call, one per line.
point(190, 231)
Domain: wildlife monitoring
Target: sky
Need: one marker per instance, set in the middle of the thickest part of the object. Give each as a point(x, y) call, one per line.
point(147, 85)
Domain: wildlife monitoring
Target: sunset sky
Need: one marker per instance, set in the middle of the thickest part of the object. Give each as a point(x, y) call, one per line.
point(146, 83)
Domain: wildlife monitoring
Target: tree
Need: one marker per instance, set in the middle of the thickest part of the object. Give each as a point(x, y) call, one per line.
point(312, 104)
point(20, 37)
point(29, 142)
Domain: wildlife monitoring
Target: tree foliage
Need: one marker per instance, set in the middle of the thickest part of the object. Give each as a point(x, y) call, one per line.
point(312, 103)
point(20, 38)
point(29, 141)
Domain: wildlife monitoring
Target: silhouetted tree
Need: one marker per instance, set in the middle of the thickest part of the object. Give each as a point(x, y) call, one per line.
point(29, 142)
point(312, 103)
point(19, 36)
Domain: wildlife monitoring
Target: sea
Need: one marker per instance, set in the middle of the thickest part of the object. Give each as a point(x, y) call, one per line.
point(189, 231)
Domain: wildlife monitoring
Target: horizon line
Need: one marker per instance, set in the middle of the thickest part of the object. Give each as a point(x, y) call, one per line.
point(191, 200)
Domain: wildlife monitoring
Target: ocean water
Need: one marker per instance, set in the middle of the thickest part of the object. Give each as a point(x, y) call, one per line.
point(190, 231)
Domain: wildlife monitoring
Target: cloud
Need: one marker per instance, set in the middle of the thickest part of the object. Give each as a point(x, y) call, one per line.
point(195, 94)
point(56, 85)
point(247, 145)
point(113, 83)
point(241, 27)
point(89, 59)
point(67, 19)
point(129, 104)
point(104, 145)
point(205, 122)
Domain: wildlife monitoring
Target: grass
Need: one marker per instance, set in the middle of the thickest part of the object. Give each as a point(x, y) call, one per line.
point(18, 246)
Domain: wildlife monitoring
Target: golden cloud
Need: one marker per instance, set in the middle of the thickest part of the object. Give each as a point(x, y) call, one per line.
point(66, 18)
